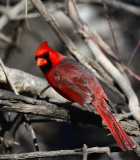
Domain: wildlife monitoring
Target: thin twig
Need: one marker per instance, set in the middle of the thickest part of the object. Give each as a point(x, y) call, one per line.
point(112, 32)
point(8, 136)
point(118, 5)
point(26, 13)
point(32, 132)
point(56, 153)
point(9, 80)
point(85, 152)
point(134, 52)
point(5, 38)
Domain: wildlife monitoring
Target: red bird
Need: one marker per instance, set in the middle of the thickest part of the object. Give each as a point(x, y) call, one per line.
point(77, 84)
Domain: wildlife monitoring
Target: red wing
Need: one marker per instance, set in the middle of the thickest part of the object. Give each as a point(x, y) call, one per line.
point(73, 80)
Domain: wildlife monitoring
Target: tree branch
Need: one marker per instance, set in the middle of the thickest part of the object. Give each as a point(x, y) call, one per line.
point(56, 153)
point(118, 5)
point(61, 112)
point(24, 82)
point(11, 13)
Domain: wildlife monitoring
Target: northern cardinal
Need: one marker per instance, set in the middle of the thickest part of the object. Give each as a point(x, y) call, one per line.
point(77, 84)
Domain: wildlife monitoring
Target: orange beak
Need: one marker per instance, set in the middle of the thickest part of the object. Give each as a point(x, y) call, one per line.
point(41, 62)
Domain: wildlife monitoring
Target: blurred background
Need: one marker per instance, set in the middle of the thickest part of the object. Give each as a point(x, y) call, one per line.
point(28, 35)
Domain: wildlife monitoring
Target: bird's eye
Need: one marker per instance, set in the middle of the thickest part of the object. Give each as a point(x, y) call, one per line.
point(45, 55)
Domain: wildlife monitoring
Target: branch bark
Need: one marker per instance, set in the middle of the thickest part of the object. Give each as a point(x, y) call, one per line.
point(24, 82)
point(56, 153)
point(118, 5)
point(61, 112)
point(11, 13)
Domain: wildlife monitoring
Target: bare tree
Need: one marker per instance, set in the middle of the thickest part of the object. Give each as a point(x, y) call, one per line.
point(31, 101)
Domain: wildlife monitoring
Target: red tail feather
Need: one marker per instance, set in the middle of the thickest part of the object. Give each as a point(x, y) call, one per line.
point(118, 133)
